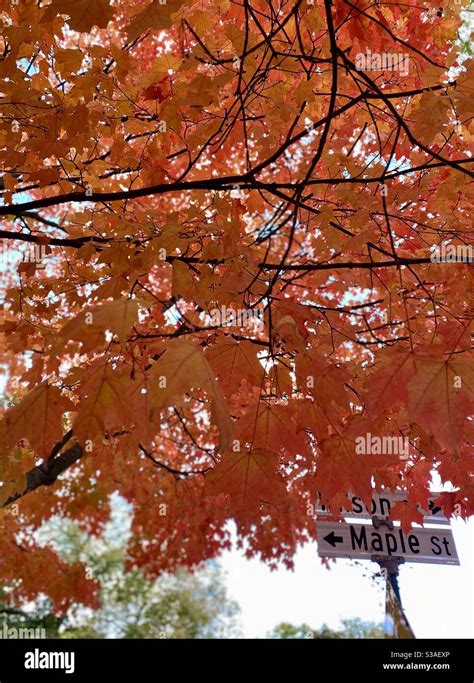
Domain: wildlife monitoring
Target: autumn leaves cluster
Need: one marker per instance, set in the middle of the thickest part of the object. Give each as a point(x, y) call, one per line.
point(177, 159)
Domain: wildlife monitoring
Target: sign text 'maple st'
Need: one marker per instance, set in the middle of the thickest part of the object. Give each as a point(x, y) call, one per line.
point(364, 541)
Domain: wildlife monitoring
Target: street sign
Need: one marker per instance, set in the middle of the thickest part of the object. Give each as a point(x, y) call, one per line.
point(381, 505)
point(364, 541)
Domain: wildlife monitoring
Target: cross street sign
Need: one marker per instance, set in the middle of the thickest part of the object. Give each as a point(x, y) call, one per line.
point(381, 505)
point(363, 541)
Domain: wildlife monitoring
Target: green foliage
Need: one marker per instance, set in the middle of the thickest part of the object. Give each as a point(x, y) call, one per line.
point(40, 619)
point(182, 605)
point(351, 628)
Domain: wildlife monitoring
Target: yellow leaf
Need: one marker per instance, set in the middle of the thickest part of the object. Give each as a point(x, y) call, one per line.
point(118, 316)
point(157, 15)
point(37, 418)
point(181, 368)
point(105, 404)
point(83, 14)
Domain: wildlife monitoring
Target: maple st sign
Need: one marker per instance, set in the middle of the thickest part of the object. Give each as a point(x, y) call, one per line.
point(363, 541)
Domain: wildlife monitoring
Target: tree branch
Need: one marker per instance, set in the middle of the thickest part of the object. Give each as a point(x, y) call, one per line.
point(47, 473)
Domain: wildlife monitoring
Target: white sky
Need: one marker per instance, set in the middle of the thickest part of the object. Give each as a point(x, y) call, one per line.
point(438, 600)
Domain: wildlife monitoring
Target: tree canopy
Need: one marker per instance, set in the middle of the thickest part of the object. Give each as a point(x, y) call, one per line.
point(236, 237)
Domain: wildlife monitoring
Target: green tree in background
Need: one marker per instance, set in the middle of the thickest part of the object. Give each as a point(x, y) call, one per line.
point(15, 616)
point(466, 30)
point(182, 605)
point(351, 628)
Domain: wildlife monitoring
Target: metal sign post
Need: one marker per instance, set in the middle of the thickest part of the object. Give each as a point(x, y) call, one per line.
point(396, 623)
point(388, 564)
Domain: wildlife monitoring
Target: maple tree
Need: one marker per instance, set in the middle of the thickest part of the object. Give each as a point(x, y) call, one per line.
point(171, 159)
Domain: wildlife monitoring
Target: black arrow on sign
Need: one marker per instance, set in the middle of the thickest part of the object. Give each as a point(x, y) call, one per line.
point(432, 507)
point(332, 539)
